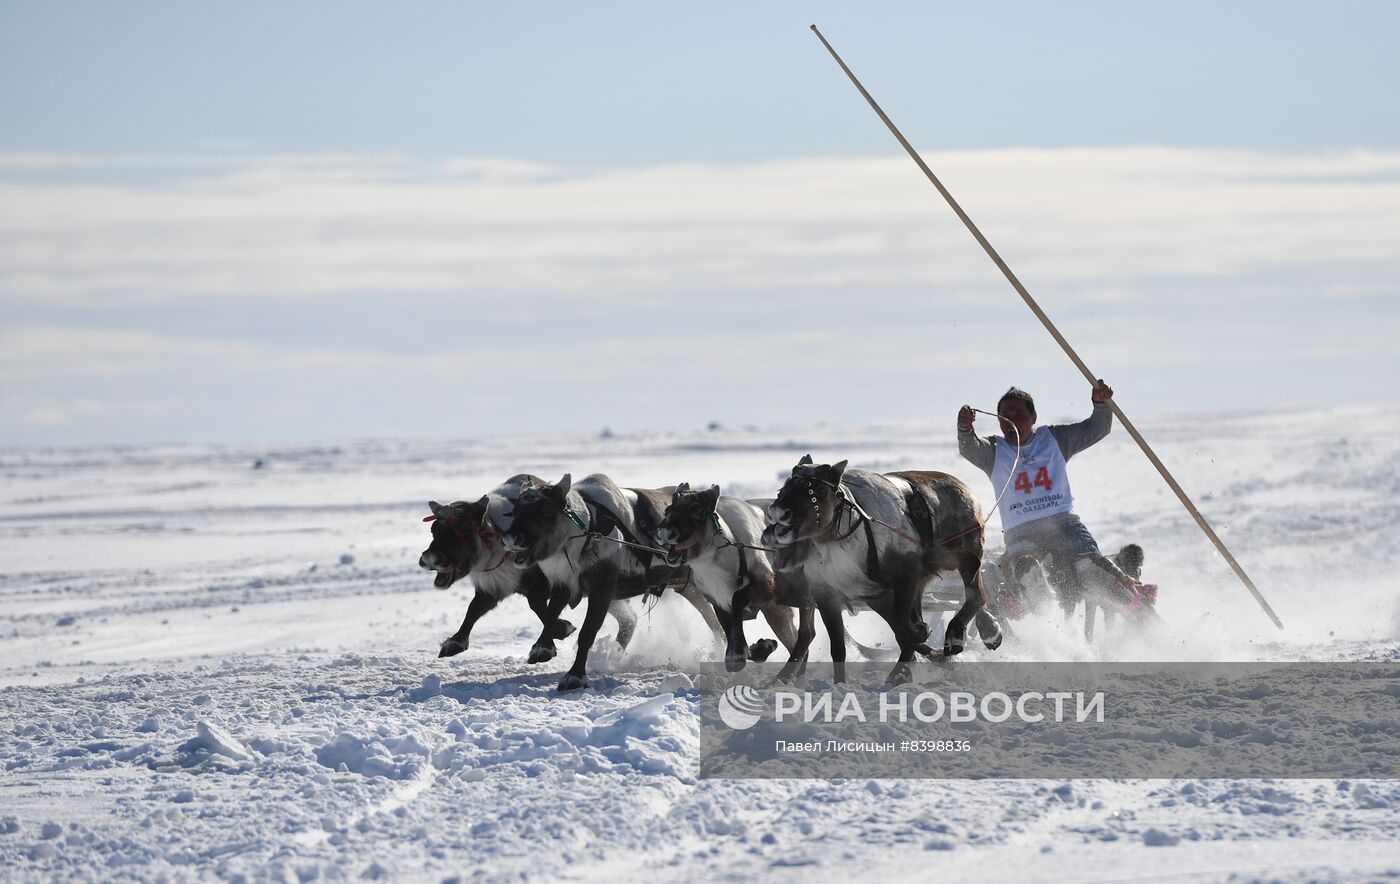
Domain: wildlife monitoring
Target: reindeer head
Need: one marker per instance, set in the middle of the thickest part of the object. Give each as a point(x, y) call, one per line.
point(806, 505)
point(462, 539)
point(1131, 559)
point(542, 522)
point(688, 522)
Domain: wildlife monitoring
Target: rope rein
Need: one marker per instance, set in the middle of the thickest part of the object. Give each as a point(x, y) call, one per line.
point(1014, 462)
point(587, 533)
point(608, 537)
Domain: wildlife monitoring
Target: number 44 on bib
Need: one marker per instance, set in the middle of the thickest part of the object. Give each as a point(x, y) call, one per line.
point(1025, 484)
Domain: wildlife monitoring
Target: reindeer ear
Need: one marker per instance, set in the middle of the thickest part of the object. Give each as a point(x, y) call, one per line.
point(561, 488)
point(434, 506)
point(806, 459)
point(684, 486)
point(711, 496)
point(477, 511)
point(838, 469)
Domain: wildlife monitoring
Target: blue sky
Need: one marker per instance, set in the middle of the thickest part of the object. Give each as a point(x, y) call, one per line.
point(269, 221)
point(590, 84)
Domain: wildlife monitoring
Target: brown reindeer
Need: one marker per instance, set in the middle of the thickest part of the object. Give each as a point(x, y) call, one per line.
point(859, 537)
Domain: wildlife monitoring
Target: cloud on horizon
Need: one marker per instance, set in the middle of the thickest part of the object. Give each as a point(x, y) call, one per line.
point(398, 273)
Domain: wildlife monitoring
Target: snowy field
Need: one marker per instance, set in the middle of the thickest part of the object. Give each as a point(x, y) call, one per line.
point(212, 670)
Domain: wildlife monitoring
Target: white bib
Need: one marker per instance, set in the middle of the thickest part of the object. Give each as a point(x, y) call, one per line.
point(1040, 486)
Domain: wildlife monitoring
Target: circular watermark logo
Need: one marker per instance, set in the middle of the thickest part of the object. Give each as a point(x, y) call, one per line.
point(740, 706)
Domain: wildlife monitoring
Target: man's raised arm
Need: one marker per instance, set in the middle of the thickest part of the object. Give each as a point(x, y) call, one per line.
point(1074, 438)
point(975, 449)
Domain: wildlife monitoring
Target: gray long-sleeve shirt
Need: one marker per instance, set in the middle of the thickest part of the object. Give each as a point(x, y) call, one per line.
point(1072, 438)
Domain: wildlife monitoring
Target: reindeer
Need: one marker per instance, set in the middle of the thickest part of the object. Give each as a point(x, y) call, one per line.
point(716, 536)
point(855, 536)
point(571, 533)
point(648, 511)
point(467, 541)
point(1028, 578)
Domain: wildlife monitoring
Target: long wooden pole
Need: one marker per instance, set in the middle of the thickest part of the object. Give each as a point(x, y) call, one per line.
point(1055, 333)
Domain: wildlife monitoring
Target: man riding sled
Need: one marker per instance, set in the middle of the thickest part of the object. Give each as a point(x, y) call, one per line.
point(1037, 517)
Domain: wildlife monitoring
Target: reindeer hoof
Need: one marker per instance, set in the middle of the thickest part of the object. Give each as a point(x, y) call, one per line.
point(762, 649)
point(952, 646)
point(571, 682)
point(561, 630)
point(920, 631)
point(734, 663)
point(992, 641)
point(541, 654)
point(900, 675)
point(451, 648)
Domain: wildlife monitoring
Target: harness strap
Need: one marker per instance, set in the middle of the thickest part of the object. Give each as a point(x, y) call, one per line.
point(858, 520)
point(857, 517)
point(919, 514)
point(605, 520)
point(743, 558)
point(504, 555)
point(872, 555)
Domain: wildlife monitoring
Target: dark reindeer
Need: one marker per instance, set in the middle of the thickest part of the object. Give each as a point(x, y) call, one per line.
point(566, 530)
point(855, 536)
point(467, 540)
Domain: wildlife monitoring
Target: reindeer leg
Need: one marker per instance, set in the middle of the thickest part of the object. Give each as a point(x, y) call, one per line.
point(779, 619)
point(908, 601)
point(806, 631)
point(992, 619)
point(955, 636)
point(536, 587)
point(734, 657)
point(836, 633)
point(543, 648)
point(736, 651)
point(600, 588)
point(989, 627)
point(626, 621)
point(461, 640)
point(698, 601)
point(906, 621)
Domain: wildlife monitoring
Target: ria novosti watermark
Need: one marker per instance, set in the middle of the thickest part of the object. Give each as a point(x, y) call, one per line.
point(1056, 720)
point(739, 707)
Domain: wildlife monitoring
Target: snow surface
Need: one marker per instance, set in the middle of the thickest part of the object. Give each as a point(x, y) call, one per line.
point(212, 670)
